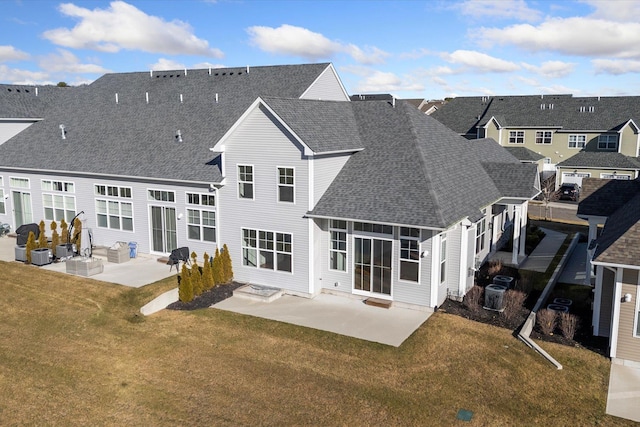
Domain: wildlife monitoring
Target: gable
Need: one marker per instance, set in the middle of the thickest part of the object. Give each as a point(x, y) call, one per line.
point(327, 87)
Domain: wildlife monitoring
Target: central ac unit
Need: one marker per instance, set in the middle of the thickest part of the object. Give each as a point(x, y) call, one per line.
point(494, 297)
point(507, 281)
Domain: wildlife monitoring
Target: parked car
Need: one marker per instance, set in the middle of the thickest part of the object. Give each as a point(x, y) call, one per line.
point(569, 192)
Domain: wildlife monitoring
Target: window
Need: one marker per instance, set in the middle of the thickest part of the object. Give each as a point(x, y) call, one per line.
point(338, 245)
point(113, 191)
point(481, 229)
point(443, 258)
point(615, 175)
point(544, 137)
point(19, 182)
point(58, 206)
point(245, 182)
point(577, 141)
point(274, 250)
point(608, 142)
point(162, 196)
point(285, 185)
point(114, 214)
point(516, 137)
point(373, 228)
point(66, 187)
point(410, 254)
point(201, 223)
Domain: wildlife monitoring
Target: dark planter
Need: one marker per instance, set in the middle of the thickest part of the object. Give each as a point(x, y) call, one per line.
point(40, 256)
point(21, 253)
point(62, 251)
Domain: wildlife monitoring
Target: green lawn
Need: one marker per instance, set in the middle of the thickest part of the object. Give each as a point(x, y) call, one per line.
point(74, 352)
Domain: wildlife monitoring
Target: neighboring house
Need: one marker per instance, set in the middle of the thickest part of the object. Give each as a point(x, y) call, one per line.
point(310, 191)
point(615, 256)
point(591, 164)
point(556, 127)
point(426, 106)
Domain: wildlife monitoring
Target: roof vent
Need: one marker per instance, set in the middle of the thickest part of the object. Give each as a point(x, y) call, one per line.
point(36, 91)
point(63, 131)
point(146, 95)
point(216, 97)
point(178, 136)
point(181, 99)
point(543, 106)
point(550, 106)
point(116, 97)
point(592, 108)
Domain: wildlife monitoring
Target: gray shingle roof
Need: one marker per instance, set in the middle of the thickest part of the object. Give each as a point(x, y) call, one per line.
point(524, 154)
point(619, 242)
point(21, 102)
point(325, 126)
point(514, 179)
point(136, 138)
point(560, 111)
point(602, 197)
point(488, 150)
point(602, 159)
point(413, 171)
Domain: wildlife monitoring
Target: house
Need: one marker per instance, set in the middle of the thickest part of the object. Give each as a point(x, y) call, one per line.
point(556, 127)
point(311, 192)
point(614, 254)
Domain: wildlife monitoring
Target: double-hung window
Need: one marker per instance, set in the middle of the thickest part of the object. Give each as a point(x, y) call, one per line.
point(516, 137)
point(481, 229)
point(113, 208)
point(544, 137)
point(577, 141)
point(266, 250)
point(58, 204)
point(286, 187)
point(201, 217)
point(338, 245)
point(410, 254)
point(608, 142)
point(245, 182)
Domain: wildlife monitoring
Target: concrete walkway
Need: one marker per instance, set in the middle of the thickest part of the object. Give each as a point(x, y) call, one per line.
point(337, 314)
point(575, 269)
point(623, 399)
point(544, 253)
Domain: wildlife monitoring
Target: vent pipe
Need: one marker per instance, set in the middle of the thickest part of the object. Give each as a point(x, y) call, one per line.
point(36, 91)
point(146, 95)
point(150, 73)
point(179, 136)
point(247, 69)
point(209, 70)
point(63, 131)
point(180, 98)
point(393, 101)
point(185, 71)
point(216, 97)
point(116, 97)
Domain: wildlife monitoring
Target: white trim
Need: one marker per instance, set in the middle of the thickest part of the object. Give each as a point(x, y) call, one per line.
point(310, 224)
point(614, 265)
point(577, 147)
point(253, 181)
point(278, 184)
point(370, 293)
point(464, 256)
point(615, 314)
point(28, 180)
point(107, 214)
point(201, 208)
point(400, 259)
point(258, 249)
point(435, 272)
point(597, 301)
point(395, 224)
point(345, 230)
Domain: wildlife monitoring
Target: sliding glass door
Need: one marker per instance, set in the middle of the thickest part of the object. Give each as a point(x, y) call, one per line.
point(372, 265)
point(163, 229)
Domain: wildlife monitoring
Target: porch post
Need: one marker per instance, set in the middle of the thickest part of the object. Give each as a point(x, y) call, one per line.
point(523, 232)
point(516, 235)
point(593, 233)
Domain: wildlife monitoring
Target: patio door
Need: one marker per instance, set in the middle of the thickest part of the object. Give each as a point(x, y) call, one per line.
point(22, 208)
point(372, 265)
point(163, 229)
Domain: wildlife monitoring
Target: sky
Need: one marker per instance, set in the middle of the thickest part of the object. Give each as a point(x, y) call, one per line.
point(411, 49)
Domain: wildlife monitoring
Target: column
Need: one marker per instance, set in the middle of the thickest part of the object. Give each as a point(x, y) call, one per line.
point(516, 235)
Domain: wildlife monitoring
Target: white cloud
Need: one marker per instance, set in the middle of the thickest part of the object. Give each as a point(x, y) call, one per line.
point(379, 81)
point(572, 36)
point(551, 69)
point(416, 54)
point(123, 26)
point(23, 77)
point(479, 62)
point(298, 41)
point(620, 10)
point(67, 62)
point(208, 65)
point(10, 53)
point(499, 9)
point(164, 64)
point(616, 66)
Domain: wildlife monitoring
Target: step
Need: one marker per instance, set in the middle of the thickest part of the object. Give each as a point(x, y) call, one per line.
point(258, 293)
point(377, 302)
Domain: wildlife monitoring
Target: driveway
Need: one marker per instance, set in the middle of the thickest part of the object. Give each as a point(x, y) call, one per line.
point(623, 399)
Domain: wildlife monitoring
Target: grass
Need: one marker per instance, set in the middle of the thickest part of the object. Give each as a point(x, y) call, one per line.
point(74, 352)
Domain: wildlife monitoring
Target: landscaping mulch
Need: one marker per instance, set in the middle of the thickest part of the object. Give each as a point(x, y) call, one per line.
point(207, 298)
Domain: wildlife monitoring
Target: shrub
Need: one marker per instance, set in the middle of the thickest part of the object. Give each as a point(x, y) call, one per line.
point(64, 234)
point(473, 299)
point(42, 239)
point(207, 273)
point(227, 266)
point(569, 325)
point(196, 276)
point(55, 238)
point(31, 245)
point(77, 233)
point(217, 269)
point(512, 302)
point(495, 267)
point(546, 320)
point(525, 283)
point(185, 288)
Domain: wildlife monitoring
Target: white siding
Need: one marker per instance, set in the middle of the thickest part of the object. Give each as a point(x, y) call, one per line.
point(414, 293)
point(10, 128)
point(453, 260)
point(326, 87)
point(85, 201)
point(260, 141)
point(325, 170)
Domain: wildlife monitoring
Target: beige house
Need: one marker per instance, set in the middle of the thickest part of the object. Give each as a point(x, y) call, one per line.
point(557, 127)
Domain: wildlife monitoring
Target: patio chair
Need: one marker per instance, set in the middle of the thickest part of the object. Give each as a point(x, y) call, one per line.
point(177, 255)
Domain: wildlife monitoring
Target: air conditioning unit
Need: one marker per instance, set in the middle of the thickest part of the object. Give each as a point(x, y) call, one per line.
point(494, 297)
point(507, 281)
point(559, 308)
